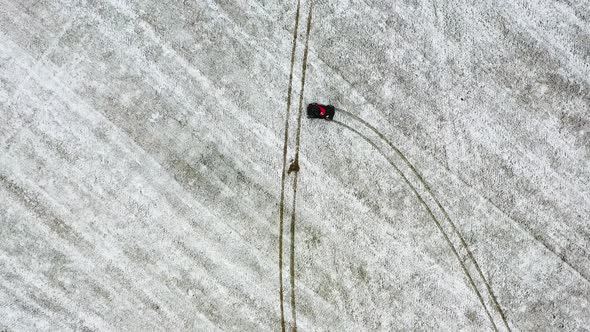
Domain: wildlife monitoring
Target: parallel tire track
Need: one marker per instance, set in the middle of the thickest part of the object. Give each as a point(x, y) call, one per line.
point(444, 211)
point(431, 214)
point(296, 161)
point(283, 172)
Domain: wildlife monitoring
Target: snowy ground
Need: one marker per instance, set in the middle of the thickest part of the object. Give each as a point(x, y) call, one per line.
point(141, 151)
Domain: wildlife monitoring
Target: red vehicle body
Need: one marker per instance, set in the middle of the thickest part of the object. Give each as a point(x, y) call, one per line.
point(315, 110)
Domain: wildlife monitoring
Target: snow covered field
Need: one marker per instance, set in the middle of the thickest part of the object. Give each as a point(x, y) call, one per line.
point(145, 149)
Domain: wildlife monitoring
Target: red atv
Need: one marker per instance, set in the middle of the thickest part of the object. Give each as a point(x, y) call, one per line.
point(315, 110)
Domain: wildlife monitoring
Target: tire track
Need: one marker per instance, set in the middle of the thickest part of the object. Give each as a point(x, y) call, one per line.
point(519, 224)
point(296, 177)
point(283, 172)
point(497, 306)
point(431, 214)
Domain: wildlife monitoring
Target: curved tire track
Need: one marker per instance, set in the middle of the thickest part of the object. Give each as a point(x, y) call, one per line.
point(431, 214)
point(497, 306)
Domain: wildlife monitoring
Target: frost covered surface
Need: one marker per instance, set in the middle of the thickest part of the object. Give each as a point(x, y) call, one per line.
point(141, 148)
